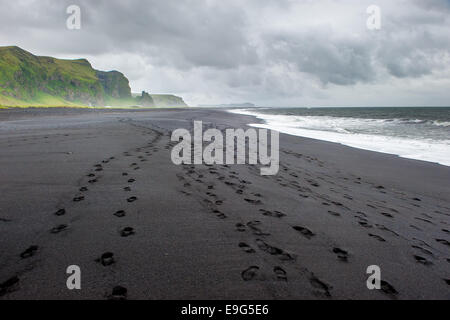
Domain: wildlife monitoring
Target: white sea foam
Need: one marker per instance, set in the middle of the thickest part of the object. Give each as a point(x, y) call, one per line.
point(341, 130)
point(442, 123)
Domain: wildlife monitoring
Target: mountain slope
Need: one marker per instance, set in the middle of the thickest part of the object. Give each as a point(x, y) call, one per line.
point(29, 80)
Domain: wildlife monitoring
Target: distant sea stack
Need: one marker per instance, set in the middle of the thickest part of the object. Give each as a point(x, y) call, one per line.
point(29, 80)
point(145, 100)
point(159, 100)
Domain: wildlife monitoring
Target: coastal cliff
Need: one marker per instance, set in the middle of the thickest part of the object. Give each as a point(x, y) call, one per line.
point(29, 80)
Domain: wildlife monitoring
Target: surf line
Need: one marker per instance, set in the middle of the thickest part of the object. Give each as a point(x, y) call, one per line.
point(235, 142)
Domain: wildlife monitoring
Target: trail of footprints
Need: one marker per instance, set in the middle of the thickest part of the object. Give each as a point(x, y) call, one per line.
point(378, 207)
point(198, 179)
point(106, 259)
point(193, 178)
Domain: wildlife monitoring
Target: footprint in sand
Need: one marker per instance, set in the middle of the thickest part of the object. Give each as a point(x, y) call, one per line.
point(423, 250)
point(262, 245)
point(253, 201)
point(60, 212)
point(387, 214)
point(377, 237)
point(131, 180)
point(443, 241)
point(59, 229)
point(338, 204)
point(118, 293)
point(341, 254)
point(29, 252)
point(384, 228)
point(127, 189)
point(246, 248)
point(250, 273)
point(304, 231)
point(388, 289)
point(9, 285)
point(280, 274)
point(78, 199)
point(83, 189)
point(132, 199)
point(126, 232)
point(322, 287)
point(220, 214)
point(333, 213)
point(120, 214)
point(422, 260)
point(106, 259)
point(240, 227)
point(253, 225)
point(314, 183)
point(275, 214)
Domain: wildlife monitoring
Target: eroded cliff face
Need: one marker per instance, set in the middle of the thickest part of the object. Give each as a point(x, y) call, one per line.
point(114, 84)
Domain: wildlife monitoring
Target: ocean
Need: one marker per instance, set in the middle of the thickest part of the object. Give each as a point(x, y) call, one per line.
point(410, 132)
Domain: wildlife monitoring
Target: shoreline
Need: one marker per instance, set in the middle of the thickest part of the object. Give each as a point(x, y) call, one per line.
point(387, 144)
point(309, 232)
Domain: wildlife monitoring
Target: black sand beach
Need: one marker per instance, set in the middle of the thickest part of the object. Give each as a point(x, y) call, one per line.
point(74, 183)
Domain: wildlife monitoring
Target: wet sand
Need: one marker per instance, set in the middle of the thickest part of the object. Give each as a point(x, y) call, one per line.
point(78, 186)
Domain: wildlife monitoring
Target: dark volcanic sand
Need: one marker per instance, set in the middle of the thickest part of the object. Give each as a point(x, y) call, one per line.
point(198, 232)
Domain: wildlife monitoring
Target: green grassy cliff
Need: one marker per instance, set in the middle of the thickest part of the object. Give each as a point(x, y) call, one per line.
point(168, 101)
point(29, 80)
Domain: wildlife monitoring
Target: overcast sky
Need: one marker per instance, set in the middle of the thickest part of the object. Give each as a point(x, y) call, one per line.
point(270, 52)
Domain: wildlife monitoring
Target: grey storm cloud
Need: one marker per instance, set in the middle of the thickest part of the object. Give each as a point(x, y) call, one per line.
point(285, 52)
